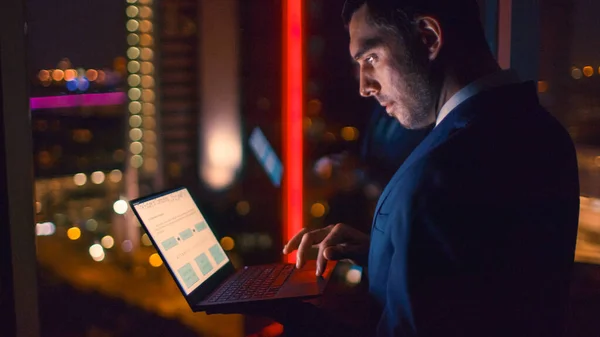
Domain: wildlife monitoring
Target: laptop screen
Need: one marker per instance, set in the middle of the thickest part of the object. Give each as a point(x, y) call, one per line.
point(187, 244)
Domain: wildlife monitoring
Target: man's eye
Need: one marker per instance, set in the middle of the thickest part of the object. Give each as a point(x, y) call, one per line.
point(370, 59)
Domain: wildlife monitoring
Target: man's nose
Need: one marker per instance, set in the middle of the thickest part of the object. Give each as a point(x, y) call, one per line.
point(368, 86)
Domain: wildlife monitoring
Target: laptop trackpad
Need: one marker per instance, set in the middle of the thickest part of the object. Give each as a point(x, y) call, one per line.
point(304, 282)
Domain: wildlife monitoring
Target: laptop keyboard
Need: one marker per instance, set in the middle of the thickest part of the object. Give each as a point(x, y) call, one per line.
point(254, 283)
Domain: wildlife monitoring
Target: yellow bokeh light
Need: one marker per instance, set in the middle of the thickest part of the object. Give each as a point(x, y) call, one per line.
point(98, 177)
point(74, 233)
point(242, 207)
point(91, 74)
point(576, 73)
point(148, 95)
point(135, 107)
point(147, 68)
point(107, 242)
point(44, 75)
point(542, 86)
point(227, 243)
point(80, 179)
point(132, 25)
point(135, 121)
point(317, 210)
point(133, 39)
point(115, 176)
point(155, 260)
point(70, 74)
point(134, 94)
point(353, 276)
point(101, 76)
point(146, 54)
point(136, 147)
point(133, 52)
point(132, 11)
point(58, 75)
point(136, 161)
point(133, 66)
point(146, 40)
point(147, 82)
point(349, 133)
point(146, 240)
point(149, 123)
point(145, 12)
point(588, 71)
point(135, 134)
point(97, 252)
point(145, 26)
point(134, 80)
point(150, 150)
point(150, 165)
point(150, 136)
point(149, 109)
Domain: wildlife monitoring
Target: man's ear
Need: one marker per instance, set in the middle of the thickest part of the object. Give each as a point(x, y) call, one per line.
point(431, 35)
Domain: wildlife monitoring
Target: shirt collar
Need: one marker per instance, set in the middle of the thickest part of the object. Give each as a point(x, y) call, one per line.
point(491, 81)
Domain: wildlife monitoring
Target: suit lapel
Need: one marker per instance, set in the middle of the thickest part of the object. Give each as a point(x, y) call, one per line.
point(480, 104)
point(437, 136)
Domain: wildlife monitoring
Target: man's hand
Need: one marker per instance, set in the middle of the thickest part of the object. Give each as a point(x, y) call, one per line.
point(336, 242)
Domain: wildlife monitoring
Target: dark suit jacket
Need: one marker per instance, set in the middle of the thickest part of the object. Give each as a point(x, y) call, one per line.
point(386, 145)
point(475, 233)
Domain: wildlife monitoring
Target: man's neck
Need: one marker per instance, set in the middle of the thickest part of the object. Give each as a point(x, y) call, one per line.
point(460, 74)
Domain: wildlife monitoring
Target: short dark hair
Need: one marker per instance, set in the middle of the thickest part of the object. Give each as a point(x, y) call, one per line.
point(459, 18)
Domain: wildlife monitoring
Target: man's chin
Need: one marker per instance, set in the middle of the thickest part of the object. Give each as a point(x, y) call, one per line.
point(410, 123)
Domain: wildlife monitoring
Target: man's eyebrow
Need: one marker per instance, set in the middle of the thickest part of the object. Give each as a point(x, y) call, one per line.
point(366, 45)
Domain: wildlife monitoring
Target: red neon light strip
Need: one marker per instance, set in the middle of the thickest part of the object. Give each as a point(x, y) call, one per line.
point(292, 120)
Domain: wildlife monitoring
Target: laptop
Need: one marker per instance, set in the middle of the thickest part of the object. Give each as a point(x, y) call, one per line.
point(200, 267)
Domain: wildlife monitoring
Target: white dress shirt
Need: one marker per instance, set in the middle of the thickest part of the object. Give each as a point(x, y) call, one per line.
point(497, 79)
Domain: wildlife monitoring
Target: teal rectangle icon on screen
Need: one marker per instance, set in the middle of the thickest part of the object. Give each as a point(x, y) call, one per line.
point(201, 226)
point(169, 243)
point(203, 263)
point(186, 234)
point(217, 253)
point(188, 275)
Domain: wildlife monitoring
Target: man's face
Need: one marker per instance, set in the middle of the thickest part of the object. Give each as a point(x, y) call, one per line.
point(392, 73)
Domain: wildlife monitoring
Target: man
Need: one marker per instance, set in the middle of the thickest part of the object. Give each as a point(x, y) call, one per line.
point(474, 235)
point(384, 146)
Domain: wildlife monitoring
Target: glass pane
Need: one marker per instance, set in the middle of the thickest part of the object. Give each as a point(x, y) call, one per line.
point(95, 93)
point(135, 97)
point(569, 82)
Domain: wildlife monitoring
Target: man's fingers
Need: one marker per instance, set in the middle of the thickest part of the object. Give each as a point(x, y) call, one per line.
point(293, 244)
point(308, 240)
point(333, 238)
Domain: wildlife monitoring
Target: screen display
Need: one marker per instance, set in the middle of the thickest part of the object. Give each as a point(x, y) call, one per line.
point(187, 244)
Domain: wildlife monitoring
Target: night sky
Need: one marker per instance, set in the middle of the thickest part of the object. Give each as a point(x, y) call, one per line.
point(92, 32)
point(89, 32)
